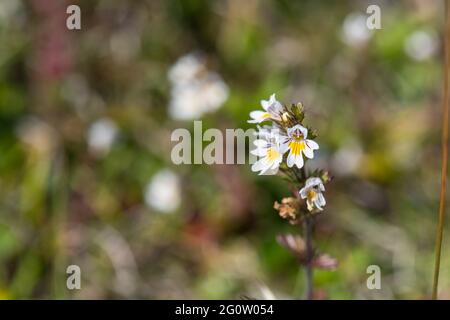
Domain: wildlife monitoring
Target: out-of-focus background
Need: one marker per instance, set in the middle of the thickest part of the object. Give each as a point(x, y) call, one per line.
point(86, 176)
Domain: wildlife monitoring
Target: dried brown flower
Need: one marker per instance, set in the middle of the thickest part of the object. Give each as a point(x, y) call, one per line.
point(288, 208)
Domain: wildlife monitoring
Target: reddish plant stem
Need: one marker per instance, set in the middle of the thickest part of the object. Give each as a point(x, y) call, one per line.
point(445, 108)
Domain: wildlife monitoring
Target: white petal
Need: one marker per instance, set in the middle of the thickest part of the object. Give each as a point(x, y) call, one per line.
point(277, 162)
point(275, 103)
point(274, 114)
point(309, 182)
point(312, 144)
point(259, 152)
point(313, 181)
point(260, 143)
point(290, 160)
point(321, 200)
point(259, 165)
point(299, 161)
point(257, 116)
point(290, 130)
point(302, 129)
point(302, 192)
point(275, 109)
point(308, 152)
point(272, 98)
point(284, 146)
point(270, 172)
point(271, 167)
point(317, 205)
point(278, 107)
point(265, 167)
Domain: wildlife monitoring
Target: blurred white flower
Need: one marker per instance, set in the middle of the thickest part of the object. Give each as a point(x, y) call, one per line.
point(8, 9)
point(185, 69)
point(354, 30)
point(163, 192)
point(312, 192)
point(195, 90)
point(101, 136)
point(347, 159)
point(421, 45)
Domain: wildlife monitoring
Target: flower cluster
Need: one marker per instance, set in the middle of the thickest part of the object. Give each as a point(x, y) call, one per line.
point(286, 136)
point(286, 144)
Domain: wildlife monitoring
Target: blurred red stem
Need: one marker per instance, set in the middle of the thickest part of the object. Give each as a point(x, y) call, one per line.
point(445, 108)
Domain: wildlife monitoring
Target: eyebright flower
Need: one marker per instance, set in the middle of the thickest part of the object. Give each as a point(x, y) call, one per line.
point(312, 192)
point(297, 144)
point(272, 111)
point(269, 149)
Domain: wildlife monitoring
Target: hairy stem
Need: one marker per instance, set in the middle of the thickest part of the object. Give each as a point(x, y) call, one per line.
point(445, 108)
point(307, 234)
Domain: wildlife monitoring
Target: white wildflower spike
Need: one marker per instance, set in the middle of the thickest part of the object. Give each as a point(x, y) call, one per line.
point(312, 192)
point(268, 147)
point(297, 144)
point(272, 111)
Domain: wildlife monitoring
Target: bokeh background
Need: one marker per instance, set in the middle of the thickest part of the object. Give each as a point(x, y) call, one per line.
point(86, 176)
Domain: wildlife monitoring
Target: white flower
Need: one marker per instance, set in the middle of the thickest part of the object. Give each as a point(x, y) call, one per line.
point(101, 136)
point(297, 144)
point(348, 158)
point(272, 110)
point(195, 90)
point(269, 149)
point(421, 45)
point(312, 192)
point(354, 30)
point(163, 192)
point(185, 69)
